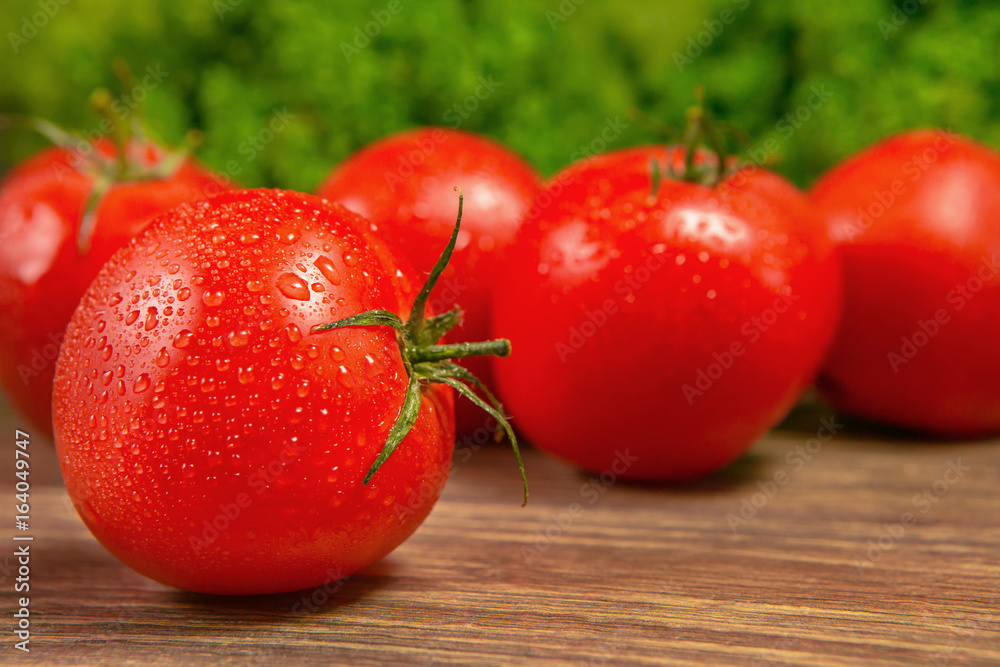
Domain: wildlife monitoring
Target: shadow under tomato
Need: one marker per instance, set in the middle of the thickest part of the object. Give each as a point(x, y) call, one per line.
point(282, 607)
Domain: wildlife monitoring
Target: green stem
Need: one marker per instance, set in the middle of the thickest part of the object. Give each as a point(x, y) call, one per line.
point(495, 348)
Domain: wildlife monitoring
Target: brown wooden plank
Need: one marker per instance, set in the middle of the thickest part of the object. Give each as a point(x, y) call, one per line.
point(642, 575)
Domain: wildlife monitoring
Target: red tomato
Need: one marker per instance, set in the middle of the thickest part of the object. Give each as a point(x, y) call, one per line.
point(42, 272)
point(657, 337)
point(208, 439)
point(405, 184)
point(916, 217)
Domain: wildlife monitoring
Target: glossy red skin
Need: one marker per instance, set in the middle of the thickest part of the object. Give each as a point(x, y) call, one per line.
point(405, 184)
point(43, 275)
point(901, 266)
point(621, 391)
point(147, 466)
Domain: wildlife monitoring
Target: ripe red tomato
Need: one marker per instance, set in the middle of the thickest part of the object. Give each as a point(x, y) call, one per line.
point(43, 273)
point(405, 184)
point(916, 217)
point(213, 441)
point(657, 337)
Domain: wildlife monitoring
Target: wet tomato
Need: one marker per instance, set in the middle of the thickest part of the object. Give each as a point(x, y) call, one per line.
point(660, 329)
point(239, 407)
point(44, 268)
point(404, 184)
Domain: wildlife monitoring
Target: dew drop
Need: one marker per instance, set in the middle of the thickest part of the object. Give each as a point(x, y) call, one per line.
point(245, 375)
point(182, 339)
point(249, 238)
point(254, 285)
point(239, 338)
point(183, 294)
point(288, 236)
point(213, 298)
point(162, 358)
point(294, 333)
point(141, 383)
point(151, 319)
point(293, 287)
point(337, 354)
point(297, 362)
point(327, 268)
point(132, 316)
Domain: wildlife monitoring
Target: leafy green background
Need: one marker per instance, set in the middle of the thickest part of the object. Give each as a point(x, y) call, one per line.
point(564, 68)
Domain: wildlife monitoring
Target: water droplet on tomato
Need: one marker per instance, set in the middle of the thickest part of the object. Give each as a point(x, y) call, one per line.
point(327, 268)
point(337, 354)
point(254, 285)
point(239, 338)
point(293, 287)
point(297, 362)
point(182, 339)
point(152, 319)
point(132, 316)
point(162, 358)
point(344, 377)
point(141, 383)
point(213, 298)
point(294, 333)
point(245, 375)
point(106, 352)
point(249, 238)
point(288, 235)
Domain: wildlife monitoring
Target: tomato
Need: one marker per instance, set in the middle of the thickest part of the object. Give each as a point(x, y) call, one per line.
point(212, 440)
point(657, 336)
point(43, 273)
point(404, 184)
point(916, 217)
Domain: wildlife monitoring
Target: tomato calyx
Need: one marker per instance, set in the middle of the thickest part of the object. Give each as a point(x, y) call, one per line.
point(131, 162)
point(705, 157)
point(427, 361)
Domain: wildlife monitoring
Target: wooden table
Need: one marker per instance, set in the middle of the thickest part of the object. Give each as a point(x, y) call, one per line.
point(825, 568)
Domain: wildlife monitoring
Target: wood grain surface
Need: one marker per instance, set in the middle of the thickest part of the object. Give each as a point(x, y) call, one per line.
point(858, 551)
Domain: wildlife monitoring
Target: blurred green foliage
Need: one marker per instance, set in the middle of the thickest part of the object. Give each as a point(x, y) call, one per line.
point(563, 68)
